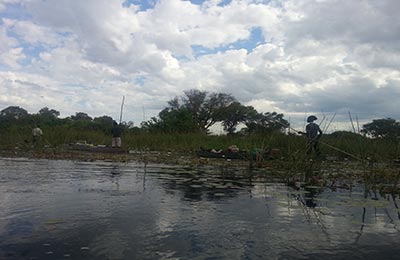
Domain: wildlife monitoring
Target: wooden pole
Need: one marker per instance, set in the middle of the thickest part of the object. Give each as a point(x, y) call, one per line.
point(330, 146)
point(122, 107)
point(352, 124)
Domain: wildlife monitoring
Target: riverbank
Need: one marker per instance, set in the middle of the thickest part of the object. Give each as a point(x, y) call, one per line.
point(146, 156)
point(290, 166)
point(331, 173)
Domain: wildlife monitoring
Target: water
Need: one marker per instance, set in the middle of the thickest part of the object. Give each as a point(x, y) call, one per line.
point(100, 210)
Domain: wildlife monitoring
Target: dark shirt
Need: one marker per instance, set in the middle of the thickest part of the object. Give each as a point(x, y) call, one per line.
point(116, 131)
point(313, 131)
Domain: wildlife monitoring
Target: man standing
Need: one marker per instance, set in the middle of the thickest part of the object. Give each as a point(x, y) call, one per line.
point(313, 133)
point(36, 135)
point(116, 132)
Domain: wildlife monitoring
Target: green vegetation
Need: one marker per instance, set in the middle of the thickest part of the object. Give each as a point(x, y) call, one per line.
point(183, 126)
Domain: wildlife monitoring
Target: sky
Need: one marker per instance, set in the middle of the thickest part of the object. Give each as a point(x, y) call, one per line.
point(336, 59)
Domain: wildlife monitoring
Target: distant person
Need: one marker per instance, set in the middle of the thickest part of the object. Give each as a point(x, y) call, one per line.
point(37, 134)
point(116, 132)
point(313, 133)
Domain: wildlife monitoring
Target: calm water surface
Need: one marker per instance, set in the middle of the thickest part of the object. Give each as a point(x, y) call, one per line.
point(100, 210)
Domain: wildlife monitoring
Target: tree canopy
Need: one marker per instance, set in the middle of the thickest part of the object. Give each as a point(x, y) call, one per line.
point(199, 110)
point(50, 113)
point(194, 111)
point(13, 111)
point(205, 108)
point(382, 128)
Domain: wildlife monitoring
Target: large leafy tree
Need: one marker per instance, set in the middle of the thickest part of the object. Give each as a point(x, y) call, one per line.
point(236, 113)
point(382, 128)
point(47, 116)
point(205, 108)
point(103, 122)
point(13, 116)
point(81, 116)
point(49, 113)
point(194, 111)
point(266, 122)
point(81, 120)
point(177, 120)
point(171, 121)
point(15, 112)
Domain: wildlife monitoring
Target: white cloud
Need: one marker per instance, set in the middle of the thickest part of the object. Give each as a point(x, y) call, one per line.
point(31, 33)
point(12, 57)
point(331, 56)
point(4, 3)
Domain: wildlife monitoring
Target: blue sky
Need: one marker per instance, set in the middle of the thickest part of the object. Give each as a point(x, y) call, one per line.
point(293, 57)
point(255, 38)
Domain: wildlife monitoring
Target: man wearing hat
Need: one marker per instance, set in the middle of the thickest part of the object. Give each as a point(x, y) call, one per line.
point(313, 133)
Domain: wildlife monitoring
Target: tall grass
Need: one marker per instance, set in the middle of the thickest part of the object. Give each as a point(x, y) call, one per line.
point(289, 145)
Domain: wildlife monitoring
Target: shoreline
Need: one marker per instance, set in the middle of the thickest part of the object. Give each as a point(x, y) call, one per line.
point(162, 157)
point(382, 177)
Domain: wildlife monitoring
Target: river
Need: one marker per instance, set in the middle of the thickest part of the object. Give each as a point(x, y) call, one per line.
point(59, 209)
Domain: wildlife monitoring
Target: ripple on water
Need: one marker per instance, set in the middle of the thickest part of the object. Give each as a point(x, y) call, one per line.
point(97, 210)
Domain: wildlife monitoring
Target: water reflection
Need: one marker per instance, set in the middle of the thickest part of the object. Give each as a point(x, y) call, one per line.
point(101, 210)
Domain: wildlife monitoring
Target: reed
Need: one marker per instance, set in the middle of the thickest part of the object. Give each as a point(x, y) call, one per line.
point(289, 145)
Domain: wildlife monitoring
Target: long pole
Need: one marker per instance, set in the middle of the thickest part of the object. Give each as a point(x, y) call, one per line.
point(326, 128)
point(122, 107)
point(330, 146)
point(352, 124)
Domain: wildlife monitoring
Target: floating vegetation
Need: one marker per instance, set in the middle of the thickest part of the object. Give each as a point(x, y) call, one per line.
point(313, 187)
point(195, 186)
point(54, 221)
point(218, 194)
point(300, 192)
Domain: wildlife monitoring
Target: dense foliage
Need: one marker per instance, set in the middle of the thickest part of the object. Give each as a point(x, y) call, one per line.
point(184, 125)
point(193, 113)
point(197, 111)
point(382, 128)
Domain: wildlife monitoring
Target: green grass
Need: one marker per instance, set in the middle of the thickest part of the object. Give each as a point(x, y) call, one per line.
point(289, 145)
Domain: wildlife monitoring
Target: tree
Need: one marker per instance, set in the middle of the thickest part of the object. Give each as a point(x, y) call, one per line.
point(344, 134)
point(382, 128)
point(103, 122)
point(205, 108)
point(235, 114)
point(265, 122)
point(15, 112)
point(80, 116)
point(215, 108)
point(171, 120)
point(49, 113)
point(14, 115)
